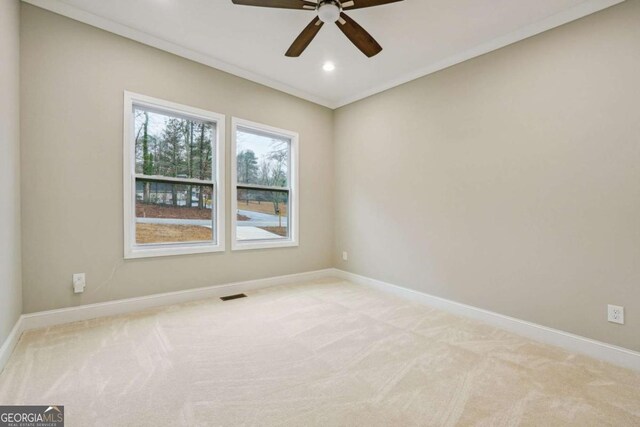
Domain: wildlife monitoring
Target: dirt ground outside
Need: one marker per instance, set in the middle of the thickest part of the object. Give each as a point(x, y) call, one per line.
point(149, 210)
point(171, 233)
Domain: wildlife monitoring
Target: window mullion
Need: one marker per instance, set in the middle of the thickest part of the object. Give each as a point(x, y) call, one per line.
point(241, 186)
point(174, 180)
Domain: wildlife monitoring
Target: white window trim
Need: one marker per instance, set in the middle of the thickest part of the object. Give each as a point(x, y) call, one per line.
point(131, 250)
point(294, 206)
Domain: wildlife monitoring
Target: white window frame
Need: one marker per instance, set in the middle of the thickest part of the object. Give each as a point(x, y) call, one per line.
point(133, 250)
point(293, 207)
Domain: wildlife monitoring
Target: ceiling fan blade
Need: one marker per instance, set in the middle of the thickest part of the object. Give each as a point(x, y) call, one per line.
point(359, 4)
point(305, 37)
point(282, 4)
point(358, 36)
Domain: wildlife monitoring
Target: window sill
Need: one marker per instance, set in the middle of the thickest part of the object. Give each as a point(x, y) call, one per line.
point(160, 251)
point(249, 245)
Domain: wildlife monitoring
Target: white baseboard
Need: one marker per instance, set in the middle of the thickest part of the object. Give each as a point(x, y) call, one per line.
point(10, 343)
point(574, 343)
point(48, 318)
point(90, 311)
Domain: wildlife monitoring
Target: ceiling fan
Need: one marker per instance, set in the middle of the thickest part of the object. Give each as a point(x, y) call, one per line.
point(328, 11)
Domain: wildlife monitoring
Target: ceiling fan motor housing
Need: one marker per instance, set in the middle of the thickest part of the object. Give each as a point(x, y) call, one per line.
point(329, 11)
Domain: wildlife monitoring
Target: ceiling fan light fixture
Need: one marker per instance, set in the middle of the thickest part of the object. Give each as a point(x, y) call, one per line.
point(329, 11)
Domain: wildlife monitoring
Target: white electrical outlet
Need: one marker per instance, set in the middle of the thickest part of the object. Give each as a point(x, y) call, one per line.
point(615, 314)
point(79, 283)
point(345, 256)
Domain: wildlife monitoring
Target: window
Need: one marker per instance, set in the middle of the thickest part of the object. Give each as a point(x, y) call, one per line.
point(173, 178)
point(265, 181)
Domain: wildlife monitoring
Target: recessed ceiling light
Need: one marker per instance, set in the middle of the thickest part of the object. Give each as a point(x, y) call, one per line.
point(329, 66)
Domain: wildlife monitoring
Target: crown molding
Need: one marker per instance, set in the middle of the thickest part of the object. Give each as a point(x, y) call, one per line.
point(587, 8)
point(584, 9)
point(61, 8)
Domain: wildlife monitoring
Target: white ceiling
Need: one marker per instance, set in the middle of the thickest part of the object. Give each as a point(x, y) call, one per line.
point(418, 37)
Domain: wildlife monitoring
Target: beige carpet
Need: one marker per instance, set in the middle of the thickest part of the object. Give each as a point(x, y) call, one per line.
point(322, 353)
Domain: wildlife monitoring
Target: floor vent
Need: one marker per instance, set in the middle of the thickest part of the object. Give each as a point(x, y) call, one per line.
point(230, 297)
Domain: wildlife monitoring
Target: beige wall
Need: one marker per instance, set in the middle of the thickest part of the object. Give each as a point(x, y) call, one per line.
point(73, 78)
point(10, 282)
point(510, 182)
